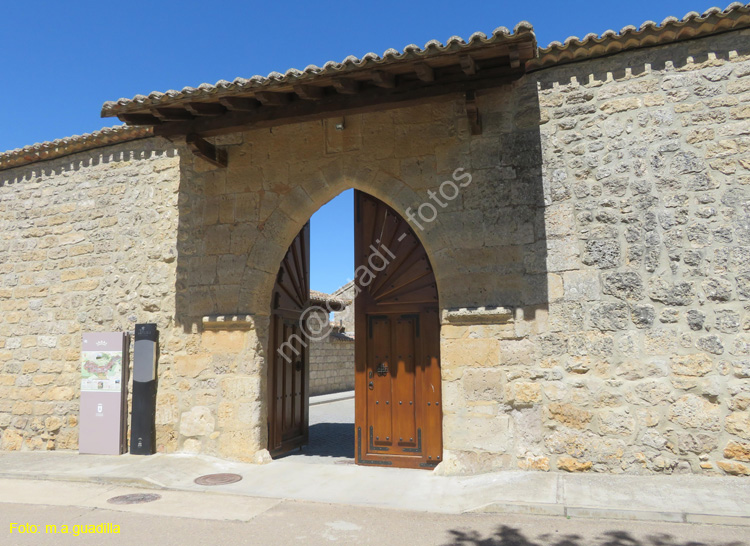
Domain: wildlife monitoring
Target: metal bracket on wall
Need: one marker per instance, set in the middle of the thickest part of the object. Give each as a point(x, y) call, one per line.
point(205, 150)
point(472, 112)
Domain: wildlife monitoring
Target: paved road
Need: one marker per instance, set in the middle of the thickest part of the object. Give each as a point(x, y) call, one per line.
point(313, 524)
point(331, 434)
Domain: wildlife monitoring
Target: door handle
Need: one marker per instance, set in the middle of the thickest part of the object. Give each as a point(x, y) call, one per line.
point(371, 385)
point(298, 365)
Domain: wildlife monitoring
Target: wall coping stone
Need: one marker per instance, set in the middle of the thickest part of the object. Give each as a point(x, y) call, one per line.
point(478, 315)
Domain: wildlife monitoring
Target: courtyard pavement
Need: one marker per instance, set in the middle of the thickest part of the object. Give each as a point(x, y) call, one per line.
point(324, 472)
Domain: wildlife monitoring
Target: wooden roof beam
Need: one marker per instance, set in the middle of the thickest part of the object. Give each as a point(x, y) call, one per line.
point(468, 65)
point(205, 108)
point(515, 57)
point(383, 79)
point(424, 72)
point(346, 86)
point(205, 150)
point(171, 114)
point(239, 104)
point(269, 98)
point(139, 119)
point(308, 92)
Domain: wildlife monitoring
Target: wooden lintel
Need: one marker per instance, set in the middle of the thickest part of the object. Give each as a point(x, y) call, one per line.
point(383, 79)
point(171, 114)
point(308, 92)
point(346, 86)
point(205, 150)
point(205, 108)
point(269, 98)
point(424, 72)
point(239, 104)
point(139, 119)
point(369, 100)
point(472, 112)
point(468, 65)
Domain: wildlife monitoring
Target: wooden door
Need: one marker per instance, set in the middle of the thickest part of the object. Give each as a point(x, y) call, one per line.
point(398, 413)
point(288, 359)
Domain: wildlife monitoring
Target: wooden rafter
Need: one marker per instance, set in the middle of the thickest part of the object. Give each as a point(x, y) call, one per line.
point(205, 150)
point(367, 100)
point(269, 98)
point(424, 72)
point(308, 92)
point(346, 86)
point(383, 79)
point(468, 65)
point(205, 108)
point(171, 114)
point(239, 104)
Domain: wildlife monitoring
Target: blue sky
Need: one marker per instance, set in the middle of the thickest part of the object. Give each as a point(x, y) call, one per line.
point(62, 60)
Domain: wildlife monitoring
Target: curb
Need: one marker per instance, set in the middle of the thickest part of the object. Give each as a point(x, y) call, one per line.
point(548, 509)
point(328, 398)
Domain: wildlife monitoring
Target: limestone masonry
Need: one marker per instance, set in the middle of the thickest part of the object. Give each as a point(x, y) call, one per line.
point(594, 277)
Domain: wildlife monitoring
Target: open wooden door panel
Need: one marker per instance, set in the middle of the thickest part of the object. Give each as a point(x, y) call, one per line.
point(398, 410)
point(288, 359)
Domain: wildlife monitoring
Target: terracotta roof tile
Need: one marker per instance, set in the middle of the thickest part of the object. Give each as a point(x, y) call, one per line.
point(349, 65)
point(70, 145)
point(671, 29)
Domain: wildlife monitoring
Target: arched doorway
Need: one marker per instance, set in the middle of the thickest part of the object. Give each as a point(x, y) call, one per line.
point(398, 413)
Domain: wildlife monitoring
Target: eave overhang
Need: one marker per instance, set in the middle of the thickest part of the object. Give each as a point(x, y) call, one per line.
point(336, 89)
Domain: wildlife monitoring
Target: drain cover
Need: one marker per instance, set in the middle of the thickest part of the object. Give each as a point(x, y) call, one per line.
point(218, 479)
point(136, 498)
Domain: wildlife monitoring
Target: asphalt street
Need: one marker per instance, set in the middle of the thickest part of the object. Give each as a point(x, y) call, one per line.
point(312, 524)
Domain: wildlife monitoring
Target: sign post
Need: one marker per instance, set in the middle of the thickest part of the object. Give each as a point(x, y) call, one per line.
point(104, 369)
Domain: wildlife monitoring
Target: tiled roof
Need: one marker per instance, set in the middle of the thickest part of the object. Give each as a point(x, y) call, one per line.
point(70, 145)
point(692, 25)
point(349, 66)
point(337, 304)
point(671, 29)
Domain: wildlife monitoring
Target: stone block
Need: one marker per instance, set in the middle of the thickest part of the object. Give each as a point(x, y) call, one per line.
point(191, 365)
point(569, 415)
point(738, 423)
point(695, 365)
point(738, 450)
point(225, 341)
point(569, 464)
point(691, 411)
point(480, 433)
point(522, 394)
point(199, 421)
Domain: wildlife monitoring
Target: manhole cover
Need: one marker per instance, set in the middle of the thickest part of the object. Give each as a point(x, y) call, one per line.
point(135, 498)
point(218, 479)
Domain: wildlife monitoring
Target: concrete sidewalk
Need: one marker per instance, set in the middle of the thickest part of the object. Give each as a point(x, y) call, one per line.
point(696, 499)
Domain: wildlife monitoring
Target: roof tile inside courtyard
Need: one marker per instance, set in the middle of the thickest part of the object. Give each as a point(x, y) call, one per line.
point(672, 29)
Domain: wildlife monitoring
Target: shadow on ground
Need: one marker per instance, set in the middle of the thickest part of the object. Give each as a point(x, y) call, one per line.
point(508, 536)
point(330, 440)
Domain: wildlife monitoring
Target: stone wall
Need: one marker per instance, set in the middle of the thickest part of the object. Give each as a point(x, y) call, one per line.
point(332, 364)
point(87, 243)
point(640, 360)
point(594, 275)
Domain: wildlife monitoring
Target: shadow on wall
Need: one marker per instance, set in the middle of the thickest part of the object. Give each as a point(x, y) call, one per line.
point(507, 199)
point(509, 536)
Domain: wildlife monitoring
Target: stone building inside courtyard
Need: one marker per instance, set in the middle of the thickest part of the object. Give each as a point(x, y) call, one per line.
point(592, 269)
